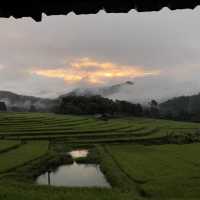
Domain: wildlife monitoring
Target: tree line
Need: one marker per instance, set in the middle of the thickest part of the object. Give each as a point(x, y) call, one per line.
point(97, 105)
point(184, 108)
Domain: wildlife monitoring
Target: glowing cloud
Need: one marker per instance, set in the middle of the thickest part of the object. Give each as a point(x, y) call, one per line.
point(89, 63)
point(94, 72)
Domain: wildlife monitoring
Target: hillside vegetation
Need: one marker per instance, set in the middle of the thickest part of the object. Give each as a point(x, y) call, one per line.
point(182, 108)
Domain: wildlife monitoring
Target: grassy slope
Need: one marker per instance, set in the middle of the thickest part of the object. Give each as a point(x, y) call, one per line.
point(7, 145)
point(23, 154)
point(162, 170)
point(26, 192)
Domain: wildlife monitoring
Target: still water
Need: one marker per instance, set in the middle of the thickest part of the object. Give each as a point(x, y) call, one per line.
point(79, 153)
point(75, 175)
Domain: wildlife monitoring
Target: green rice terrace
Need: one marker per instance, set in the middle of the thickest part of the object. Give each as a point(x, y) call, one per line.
point(139, 158)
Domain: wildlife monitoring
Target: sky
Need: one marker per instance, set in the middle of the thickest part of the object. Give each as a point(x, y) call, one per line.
point(158, 51)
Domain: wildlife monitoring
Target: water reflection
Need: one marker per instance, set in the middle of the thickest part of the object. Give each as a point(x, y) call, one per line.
point(80, 153)
point(75, 175)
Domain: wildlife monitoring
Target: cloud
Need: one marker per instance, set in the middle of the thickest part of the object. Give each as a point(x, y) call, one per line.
point(156, 49)
point(1, 66)
point(94, 72)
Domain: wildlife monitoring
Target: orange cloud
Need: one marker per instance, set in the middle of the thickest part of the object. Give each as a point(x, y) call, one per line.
point(94, 71)
point(89, 63)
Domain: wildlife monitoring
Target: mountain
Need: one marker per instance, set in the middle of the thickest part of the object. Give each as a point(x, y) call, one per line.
point(103, 91)
point(16, 102)
point(182, 108)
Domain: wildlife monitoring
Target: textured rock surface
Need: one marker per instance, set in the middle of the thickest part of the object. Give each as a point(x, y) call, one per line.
point(35, 8)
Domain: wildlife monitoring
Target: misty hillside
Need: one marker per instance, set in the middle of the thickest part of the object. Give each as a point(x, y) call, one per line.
point(16, 102)
point(103, 91)
point(183, 108)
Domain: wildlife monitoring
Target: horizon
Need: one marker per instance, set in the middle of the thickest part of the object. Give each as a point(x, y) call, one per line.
point(113, 97)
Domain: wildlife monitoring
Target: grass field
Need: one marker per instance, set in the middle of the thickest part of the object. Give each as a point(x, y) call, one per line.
point(141, 158)
point(8, 145)
point(163, 170)
point(22, 155)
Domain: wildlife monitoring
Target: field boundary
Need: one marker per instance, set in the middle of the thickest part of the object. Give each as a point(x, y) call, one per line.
point(10, 148)
point(140, 190)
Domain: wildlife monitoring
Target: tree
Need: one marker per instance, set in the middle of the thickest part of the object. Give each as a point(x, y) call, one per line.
point(154, 110)
point(3, 107)
point(97, 105)
point(32, 109)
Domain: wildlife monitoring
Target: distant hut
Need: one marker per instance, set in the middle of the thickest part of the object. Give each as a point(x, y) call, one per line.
point(104, 117)
point(3, 107)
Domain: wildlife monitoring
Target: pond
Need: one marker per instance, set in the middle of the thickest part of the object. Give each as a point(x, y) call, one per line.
point(75, 175)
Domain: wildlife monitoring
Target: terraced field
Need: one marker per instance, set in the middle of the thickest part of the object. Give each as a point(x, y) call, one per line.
point(8, 145)
point(87, 129)
point(162, 171)
point(141, 158)
point(22, 155)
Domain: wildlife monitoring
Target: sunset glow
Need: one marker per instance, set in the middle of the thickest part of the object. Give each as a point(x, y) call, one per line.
point(93, 71)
